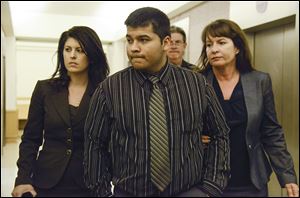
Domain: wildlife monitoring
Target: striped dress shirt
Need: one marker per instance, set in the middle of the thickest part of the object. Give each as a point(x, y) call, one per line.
point(117, 143)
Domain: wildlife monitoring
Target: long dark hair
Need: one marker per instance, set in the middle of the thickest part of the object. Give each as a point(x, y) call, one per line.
point(89, 41)
point(229, 29)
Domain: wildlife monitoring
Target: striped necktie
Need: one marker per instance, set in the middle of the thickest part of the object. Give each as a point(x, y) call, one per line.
point(159, 139)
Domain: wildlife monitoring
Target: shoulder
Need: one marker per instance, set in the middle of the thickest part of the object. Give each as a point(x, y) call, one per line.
point(46, 86)
point(123, 73)
point(180, 72)
point(257, 76)
point(116, 80)
point(187, 65)
point(260, 80)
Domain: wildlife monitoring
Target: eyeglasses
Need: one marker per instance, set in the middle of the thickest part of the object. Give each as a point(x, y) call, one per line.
point(176, 43)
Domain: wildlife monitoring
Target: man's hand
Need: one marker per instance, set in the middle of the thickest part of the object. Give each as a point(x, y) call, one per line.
point(292, 190)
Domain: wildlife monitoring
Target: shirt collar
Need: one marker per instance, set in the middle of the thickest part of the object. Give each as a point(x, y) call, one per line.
point(163, 75)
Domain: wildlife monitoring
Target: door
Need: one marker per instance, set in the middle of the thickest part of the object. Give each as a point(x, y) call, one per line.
point(275, 53)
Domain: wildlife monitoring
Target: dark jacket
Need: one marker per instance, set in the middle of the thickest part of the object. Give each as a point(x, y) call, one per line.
point(187, 65)
point(264, 135)
point(49, 120)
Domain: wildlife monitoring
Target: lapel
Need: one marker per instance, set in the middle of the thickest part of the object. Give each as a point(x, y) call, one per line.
point(61, 105)
point(84, 104)
point(250, 96)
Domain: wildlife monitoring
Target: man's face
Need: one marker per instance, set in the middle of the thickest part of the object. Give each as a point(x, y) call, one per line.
point(177, 47)
point(145, 50)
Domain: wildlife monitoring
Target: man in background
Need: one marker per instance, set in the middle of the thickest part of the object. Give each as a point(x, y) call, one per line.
point(177, 48)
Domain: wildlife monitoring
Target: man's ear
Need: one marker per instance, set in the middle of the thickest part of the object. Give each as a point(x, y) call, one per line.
point(166, 43)
point(184, 45)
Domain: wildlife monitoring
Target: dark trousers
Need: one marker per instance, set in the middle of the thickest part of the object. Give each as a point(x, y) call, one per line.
point(248, 191)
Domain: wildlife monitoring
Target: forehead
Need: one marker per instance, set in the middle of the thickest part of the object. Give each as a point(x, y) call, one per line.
point(176, 36)
point(140, 31)
point(216, 38)
point(72, 42)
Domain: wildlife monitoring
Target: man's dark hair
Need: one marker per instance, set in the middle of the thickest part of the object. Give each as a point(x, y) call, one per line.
point(143, 17)
point(175, 29)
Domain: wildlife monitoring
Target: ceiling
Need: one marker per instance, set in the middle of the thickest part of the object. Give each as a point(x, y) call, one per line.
point(43, 20)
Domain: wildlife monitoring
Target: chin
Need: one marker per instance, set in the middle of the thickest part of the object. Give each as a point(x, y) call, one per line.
point(173, 56)
point(139, 66)
point(217, 64)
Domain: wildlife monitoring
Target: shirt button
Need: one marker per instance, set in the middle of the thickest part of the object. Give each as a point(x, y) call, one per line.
point(69, 141)
point(69, 130)
point(69, 151)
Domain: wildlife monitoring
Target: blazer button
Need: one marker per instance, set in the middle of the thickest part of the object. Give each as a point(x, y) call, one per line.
point(69, 130)
point(69, 141)
point(69, 151)
point(250, 146)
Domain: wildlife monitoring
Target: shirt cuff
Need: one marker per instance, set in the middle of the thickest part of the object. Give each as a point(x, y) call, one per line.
point(211, 189)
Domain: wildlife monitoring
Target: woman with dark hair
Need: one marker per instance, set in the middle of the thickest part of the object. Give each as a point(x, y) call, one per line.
point(257, 143)
point(56, 119)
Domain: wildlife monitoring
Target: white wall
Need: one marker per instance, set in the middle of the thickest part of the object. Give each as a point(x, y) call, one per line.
point(35, 61)
point(117, 56)
point(252, 13)
point(10, 73)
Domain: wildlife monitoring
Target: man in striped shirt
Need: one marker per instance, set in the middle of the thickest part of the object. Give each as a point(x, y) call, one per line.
point(117, 132)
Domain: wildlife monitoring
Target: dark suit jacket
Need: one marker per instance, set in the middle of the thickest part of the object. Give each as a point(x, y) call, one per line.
point(187, 65)
point(49, 121)
point(264, 136)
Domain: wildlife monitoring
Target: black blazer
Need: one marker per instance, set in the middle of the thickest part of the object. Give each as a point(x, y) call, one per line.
point(264, 135)
point(49, 121)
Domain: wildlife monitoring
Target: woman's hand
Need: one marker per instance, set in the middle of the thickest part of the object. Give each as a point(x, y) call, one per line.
point(23, 188)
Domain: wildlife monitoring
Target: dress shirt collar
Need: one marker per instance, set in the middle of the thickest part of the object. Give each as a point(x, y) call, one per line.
point(163, 75)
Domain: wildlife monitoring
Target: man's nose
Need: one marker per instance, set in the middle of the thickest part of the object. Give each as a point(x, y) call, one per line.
point(134, 46)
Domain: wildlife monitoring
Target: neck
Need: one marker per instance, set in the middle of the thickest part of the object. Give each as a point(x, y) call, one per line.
point(159, 66)
point(225, 73)
point(80, 80)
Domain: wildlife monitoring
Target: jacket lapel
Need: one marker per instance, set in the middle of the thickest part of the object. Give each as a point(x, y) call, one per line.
point(250, 96)
point(61, 105)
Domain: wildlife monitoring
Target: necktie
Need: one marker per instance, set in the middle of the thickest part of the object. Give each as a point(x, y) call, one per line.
point(159, 140)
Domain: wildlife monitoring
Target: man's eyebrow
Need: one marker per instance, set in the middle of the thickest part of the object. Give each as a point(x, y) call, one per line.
point(139, 36)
